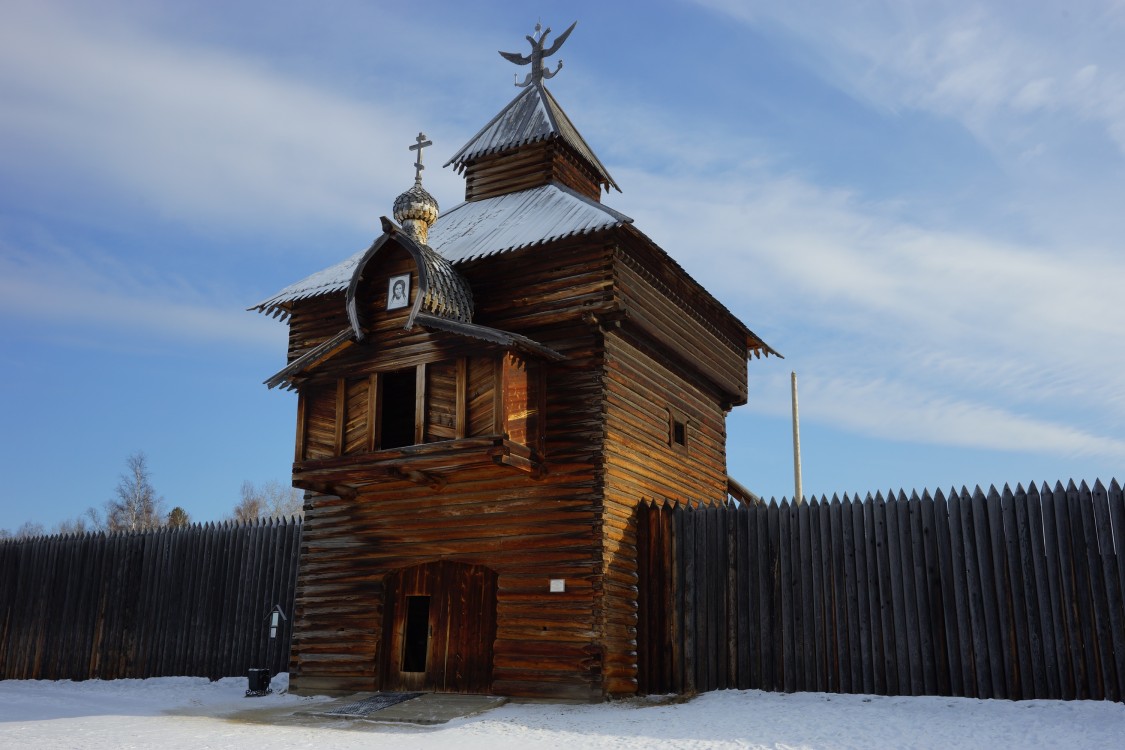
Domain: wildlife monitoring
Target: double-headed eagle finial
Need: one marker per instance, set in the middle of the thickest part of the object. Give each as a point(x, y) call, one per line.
point(537, 73)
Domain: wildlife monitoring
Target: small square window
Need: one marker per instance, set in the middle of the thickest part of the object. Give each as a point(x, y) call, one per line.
point(677, 429)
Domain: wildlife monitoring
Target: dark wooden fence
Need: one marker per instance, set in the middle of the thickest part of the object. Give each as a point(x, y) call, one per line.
point(190, 601)
point(1010, 595)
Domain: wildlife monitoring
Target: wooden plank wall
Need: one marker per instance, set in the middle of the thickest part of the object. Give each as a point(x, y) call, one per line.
point(528, 531)
point(190, 601)
point(1013, 594)
point(668, 307)
point(642, 395)
point(532, 165)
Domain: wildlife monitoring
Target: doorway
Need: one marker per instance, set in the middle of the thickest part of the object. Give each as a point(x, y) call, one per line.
point(439, 625)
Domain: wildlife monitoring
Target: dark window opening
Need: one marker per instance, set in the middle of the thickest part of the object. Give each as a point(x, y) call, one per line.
point(679, 433)
point(399, 394)
point(416, 639)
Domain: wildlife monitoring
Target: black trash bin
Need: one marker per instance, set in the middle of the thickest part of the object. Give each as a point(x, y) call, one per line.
point(259, 682)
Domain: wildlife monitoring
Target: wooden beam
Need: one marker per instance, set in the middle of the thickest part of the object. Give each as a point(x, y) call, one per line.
point(540, 442)
point(461, 408)
point(342, 491)
point(500, 387)
point(533, 468)
point(341, 415)
point(740, 493)
point(299, 451)
point(420, 404)
point(374, 413)
point(432, 481)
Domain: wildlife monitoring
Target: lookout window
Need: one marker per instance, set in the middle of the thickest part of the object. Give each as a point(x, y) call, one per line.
point(399, 394)
point(416, 639)
point(677, 430)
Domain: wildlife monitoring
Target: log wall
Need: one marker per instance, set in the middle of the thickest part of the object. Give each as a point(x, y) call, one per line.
point(529, 167)
point(639, 360)
point(643, 462)
point(526, 530)
point(665, 306)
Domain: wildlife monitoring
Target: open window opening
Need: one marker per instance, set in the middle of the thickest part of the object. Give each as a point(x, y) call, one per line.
point(399, 393)
point(677, 429)
point(416, 639)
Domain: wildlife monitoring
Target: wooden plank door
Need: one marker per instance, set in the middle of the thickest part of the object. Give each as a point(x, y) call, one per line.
point(440, 625)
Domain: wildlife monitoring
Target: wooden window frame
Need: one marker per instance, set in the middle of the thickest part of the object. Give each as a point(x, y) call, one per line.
point(536, 384)
point(678, 421)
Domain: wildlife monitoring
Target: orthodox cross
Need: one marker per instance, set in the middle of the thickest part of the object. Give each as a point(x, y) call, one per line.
point(537, 73)
point(420, 143)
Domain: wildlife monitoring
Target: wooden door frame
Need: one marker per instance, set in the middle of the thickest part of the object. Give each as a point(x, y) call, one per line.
point(462, 627)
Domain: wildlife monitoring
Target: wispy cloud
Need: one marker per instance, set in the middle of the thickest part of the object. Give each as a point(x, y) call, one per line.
point(901, 329)
point(904, 331)
point(981, 64)
point(195, 134)
point(900, 410)
point(82, 291)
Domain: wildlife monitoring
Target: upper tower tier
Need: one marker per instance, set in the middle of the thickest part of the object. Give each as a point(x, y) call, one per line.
point(531, 141)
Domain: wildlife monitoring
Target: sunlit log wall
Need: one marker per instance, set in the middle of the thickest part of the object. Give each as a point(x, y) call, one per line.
point(191, 601)
point(1012, 594)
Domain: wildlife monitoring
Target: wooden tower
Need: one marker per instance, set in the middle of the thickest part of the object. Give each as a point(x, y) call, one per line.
point(485, 397)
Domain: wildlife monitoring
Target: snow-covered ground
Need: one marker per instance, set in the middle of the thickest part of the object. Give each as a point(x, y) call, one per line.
point(185, 712)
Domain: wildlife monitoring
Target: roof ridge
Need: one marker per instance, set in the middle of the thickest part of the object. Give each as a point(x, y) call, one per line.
point(489, 124)
point(581, 146)
point(541, 119)
point(549, 98)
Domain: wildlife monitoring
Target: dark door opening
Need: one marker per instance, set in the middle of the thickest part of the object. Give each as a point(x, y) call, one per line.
point(416, 639)
point(438, 629)
point(399, 392)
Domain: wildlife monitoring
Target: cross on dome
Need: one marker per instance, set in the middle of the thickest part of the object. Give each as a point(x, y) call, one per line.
point(420, 143)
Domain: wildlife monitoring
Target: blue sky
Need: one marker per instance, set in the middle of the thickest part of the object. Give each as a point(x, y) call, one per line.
point(919, 204)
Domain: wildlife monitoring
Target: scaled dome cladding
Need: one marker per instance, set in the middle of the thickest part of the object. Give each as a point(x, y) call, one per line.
point(447, 293)
point(416, 204)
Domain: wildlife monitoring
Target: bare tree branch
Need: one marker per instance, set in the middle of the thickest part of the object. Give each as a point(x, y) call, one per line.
point(137, 506)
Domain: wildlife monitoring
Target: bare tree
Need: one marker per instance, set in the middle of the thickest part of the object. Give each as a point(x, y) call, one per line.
point(29, 529)
point(87, 523)
point(137, 506)
point(272, 500)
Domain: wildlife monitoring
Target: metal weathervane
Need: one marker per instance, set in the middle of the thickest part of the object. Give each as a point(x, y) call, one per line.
point(537, 73)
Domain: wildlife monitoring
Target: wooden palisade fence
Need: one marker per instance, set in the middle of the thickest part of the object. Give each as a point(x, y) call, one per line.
point(1005, 595)
point(191, 601)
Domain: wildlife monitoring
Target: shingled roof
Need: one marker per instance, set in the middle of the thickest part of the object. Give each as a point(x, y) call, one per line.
point(474, 230)
point(532, 116)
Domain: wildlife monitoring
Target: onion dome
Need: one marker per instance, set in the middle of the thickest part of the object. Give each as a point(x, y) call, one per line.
point(416, 210)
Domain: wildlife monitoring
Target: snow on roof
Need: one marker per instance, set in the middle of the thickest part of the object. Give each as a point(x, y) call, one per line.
point(534, 115)
point(326, 281)
point(508, 222)
point(475, 230)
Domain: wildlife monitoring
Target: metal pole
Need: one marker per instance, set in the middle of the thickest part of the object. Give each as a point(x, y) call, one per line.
point(798, 494)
